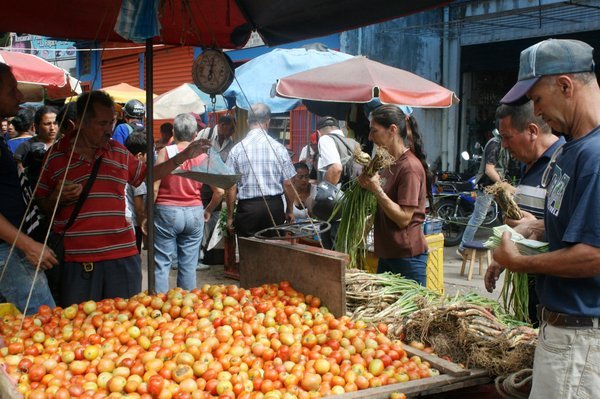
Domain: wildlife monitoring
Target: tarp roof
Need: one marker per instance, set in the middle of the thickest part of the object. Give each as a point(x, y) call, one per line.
point(220, 23)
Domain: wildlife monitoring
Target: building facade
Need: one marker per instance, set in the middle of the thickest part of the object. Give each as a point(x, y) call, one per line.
point(471, 47)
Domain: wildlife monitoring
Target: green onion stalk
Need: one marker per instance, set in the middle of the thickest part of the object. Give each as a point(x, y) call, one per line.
point(357, 209)
point(515, 295)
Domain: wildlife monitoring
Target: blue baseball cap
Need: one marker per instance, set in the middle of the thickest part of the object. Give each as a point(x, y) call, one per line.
point(549, 57)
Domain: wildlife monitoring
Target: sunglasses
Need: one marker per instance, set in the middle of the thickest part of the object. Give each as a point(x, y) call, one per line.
point(548, 172)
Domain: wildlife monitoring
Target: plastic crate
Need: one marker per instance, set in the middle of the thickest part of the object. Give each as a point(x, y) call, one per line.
point(435, 263)
point(432, 226)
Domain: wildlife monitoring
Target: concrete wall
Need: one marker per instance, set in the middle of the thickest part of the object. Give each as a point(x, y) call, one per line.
point(392, 44)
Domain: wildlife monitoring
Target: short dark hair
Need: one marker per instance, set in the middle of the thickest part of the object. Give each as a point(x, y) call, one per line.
point(521, 116)
point(167, 128)
point(68, 113)
point(226, 119)
point(300, 165)
point(39, 114)
point(136, 142)
point(23, 120)
point(327, 121)
point(92, 97)
point(4, 68)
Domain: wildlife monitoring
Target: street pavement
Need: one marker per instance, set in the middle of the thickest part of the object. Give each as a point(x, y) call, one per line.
point(453, 281)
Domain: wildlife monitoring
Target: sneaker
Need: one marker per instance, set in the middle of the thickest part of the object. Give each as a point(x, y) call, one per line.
point(201, 267)
point(460, 253)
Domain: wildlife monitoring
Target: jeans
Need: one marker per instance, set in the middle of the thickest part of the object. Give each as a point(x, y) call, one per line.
point(18, 279)
point(566, 363)
point(482, 205)
point(178, 229)
point(414, 268)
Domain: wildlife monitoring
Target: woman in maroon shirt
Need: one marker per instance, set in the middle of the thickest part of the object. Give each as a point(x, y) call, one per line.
point(401, 191)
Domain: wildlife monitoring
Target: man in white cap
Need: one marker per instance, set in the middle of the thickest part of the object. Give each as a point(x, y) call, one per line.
point(558, 76)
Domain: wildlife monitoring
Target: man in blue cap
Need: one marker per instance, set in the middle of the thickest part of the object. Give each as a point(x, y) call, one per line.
point(558, 76)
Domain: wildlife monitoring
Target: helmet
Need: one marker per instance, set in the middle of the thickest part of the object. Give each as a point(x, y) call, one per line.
point(326, 200)
point(134, 109)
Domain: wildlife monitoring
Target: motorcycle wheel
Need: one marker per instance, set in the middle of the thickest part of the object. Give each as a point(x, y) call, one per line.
point(452, 231)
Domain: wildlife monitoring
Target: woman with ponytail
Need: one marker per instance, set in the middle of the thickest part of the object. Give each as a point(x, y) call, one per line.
point(401, 191)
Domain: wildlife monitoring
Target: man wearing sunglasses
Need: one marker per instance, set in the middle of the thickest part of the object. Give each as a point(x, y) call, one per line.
point(558, 76)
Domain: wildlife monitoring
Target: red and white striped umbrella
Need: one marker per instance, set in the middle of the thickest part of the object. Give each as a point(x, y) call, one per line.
point(34, 75)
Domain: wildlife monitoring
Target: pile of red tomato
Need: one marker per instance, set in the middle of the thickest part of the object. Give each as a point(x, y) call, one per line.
point(270, 342)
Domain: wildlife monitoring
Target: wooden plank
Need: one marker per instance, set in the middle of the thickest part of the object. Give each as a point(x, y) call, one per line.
point(453, 387)
point(444, 366)
point(420, 387)
point(310, 270)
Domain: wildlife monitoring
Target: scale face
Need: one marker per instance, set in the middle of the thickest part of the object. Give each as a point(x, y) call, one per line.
point(213, 71)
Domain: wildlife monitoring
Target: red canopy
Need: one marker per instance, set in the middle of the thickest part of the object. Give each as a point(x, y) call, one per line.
point(221, 23)
point(29, 68)
point(35, 76)
point(360, 80)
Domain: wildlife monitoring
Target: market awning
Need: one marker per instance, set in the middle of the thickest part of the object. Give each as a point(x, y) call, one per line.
point(221, 23)
point(36, 76)
point(360, 80)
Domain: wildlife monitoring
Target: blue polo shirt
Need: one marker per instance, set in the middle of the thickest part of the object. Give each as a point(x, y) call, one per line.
point(530, 196)
point(572, 216)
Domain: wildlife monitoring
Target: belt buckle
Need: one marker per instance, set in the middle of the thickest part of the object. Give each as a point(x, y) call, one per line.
point(88, 267)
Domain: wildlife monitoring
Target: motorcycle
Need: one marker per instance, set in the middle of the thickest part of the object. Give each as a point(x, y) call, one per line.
point(454, 201)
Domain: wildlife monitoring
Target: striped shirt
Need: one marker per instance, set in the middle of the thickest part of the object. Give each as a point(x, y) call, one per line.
point(264, 164)
point(530, 196)
point(100, 232)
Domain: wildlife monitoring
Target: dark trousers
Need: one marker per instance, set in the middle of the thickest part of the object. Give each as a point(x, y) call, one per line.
point(108, 279)
point(252, 215)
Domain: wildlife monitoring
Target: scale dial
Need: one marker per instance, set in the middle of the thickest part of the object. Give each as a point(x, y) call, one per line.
point(213, 71)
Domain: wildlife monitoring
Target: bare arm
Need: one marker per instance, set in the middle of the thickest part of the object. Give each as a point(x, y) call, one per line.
point(215, 200)
point(333, 173)
point(401, 215)
point(578, 261)
point(230, 197)
point(290, 195)
point(492, 173)
point(194, 149)
point(70, 193)
point(32, 249)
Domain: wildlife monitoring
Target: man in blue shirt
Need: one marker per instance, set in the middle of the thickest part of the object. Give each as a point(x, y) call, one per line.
point(134, 112)
point(529, 140)
point(558, 76)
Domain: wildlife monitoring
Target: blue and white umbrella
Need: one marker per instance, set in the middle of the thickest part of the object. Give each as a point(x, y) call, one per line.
point(255, 79)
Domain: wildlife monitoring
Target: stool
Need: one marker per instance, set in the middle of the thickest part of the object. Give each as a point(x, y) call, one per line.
point(474, 249)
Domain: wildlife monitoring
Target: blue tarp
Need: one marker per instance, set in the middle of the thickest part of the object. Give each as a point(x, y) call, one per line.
point(257, 77)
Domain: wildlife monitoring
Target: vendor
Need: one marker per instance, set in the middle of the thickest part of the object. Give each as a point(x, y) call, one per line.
point(401, 192)
point(302, 185)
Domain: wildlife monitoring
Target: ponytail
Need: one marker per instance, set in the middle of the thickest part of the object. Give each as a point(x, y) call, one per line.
point(415, 144)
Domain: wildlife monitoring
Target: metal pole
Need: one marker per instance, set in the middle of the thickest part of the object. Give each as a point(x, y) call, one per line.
point(150, 163)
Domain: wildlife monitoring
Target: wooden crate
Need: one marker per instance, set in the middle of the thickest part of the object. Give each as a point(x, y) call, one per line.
point(310, 270)
point(451, 378)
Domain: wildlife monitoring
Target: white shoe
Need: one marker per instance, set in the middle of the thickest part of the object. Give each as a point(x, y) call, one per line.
point(201, 267)
point(460, 253)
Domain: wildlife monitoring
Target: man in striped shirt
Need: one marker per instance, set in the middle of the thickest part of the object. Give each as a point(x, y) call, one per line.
point(266, 170)
point(101, 259)
point(529, 140)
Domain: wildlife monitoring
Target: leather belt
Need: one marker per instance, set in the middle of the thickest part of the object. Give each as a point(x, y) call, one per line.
point(565, 320)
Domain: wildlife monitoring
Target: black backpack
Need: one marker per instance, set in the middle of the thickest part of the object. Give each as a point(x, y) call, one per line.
point(345, 147)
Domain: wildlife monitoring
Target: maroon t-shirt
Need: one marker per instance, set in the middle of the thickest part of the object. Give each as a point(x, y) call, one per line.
point(405, 184)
